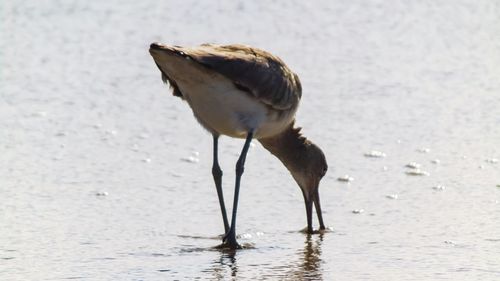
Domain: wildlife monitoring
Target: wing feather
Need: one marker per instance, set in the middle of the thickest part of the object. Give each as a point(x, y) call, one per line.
point(262, 74)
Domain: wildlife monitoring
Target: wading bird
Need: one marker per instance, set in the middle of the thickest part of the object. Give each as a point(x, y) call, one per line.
point(244, 92)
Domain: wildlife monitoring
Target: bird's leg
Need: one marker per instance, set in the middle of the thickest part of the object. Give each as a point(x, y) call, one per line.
point(217, 173)
point(317, 205)
point(230, 238)
point(309, 204)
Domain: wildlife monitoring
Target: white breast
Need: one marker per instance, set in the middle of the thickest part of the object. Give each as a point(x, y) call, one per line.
point(222, 108)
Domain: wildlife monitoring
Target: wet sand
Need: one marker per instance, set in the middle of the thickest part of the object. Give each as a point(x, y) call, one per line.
point(105, 176)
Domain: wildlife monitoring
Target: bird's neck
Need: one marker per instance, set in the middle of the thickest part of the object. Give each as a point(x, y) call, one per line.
point(289, 146)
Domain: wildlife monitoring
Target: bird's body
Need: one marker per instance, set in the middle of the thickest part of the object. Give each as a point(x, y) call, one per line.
point(228, 106)
point(244, 92)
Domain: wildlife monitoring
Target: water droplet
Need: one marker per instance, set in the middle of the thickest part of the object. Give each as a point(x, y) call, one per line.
point(375, 154)
point(435, 161)
point(392, 196)
point(491, 160)
point(245, 236)
point(357, 211)
point(101, 193)
point(424, 150)
point(439, 187)
point(413, 165)
point(146, 160)
point(190, 159)
point(417, 172)
point(345, 178)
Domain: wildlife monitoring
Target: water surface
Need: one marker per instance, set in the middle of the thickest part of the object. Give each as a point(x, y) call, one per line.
point(105, 176)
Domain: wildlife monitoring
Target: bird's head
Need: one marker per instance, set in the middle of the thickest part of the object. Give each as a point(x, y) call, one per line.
point(309, 168)
point(305, 160)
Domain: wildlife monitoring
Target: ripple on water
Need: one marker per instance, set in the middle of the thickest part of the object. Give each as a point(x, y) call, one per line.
point(492, 239)
point(413, 165)
point(392, 196)
point(143, 136)
point(491, 160)
point(375, 154)
point(417, 172)
point(164, 270)
point(39, 114)
point(218, 237)
point(345, 178)
point(423, 150)
point(193, 158)
point(134, 147)
point(439, 187)
point(225, 248)
point(327, 229)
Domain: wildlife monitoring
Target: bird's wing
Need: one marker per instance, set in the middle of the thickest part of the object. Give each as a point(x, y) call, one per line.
point(253, 70)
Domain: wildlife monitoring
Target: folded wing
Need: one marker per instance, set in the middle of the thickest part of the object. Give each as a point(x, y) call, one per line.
point(252, 70)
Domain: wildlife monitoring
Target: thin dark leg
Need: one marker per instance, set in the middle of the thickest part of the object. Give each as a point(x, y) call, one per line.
point(309, 204)
point(230, 237)
point(217, 173)
point(318, 210)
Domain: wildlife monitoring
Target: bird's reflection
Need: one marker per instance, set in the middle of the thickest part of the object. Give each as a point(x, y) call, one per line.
point(306, 267)
point(309, 266)
point(225, 265)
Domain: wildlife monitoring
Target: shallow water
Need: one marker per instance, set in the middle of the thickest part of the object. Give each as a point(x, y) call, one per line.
point(105, 176)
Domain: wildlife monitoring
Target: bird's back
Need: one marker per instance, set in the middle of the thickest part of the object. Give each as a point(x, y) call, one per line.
point(266, 76)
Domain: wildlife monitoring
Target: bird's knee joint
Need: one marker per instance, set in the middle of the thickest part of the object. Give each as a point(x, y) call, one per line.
point(216, 171)
point(239, 168)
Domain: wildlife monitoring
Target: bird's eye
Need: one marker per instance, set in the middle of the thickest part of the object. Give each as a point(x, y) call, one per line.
point(323, 173)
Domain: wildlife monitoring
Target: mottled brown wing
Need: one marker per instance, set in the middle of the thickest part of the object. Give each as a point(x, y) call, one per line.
point(253, 70)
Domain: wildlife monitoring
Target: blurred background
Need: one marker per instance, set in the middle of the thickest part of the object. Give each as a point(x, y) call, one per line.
point(105, 176)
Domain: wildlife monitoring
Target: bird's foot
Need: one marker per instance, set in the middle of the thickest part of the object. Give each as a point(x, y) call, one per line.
point(229, 241)
point(321, 230)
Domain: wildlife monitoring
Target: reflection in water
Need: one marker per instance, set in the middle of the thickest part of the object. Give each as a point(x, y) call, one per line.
point(309, 267)
point(227, 261)
point(306, 267)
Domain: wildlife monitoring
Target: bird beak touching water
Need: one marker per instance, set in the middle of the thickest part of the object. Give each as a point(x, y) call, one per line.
point(311, 196)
